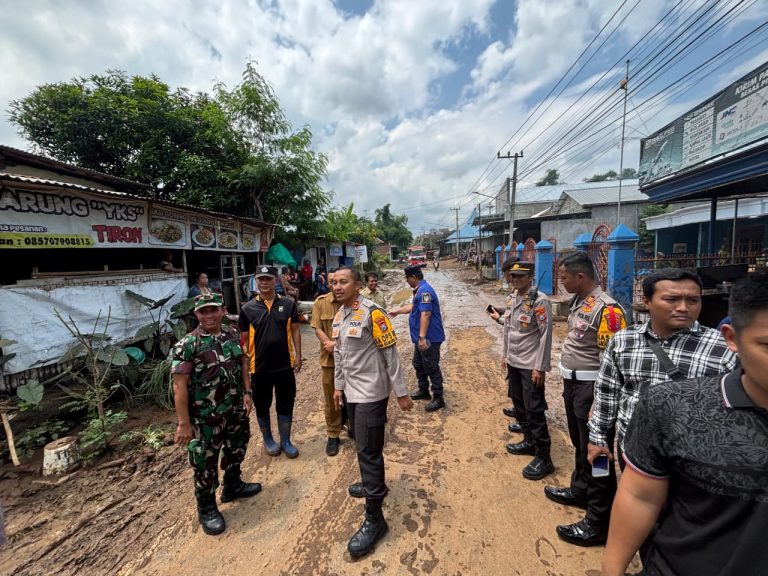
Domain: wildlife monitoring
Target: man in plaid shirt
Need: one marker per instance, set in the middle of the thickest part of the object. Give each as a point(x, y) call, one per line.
point(629, 365)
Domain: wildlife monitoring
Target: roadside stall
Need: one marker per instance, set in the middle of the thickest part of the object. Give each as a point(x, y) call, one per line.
point(77, 249)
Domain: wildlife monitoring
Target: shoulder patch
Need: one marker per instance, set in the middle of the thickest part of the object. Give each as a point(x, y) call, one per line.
point(612, 320)
point(426, 298)
point(383, 333)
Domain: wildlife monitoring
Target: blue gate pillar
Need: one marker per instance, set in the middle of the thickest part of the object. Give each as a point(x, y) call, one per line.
point(621, 266)
point(543, 268)
point(498, 261)
point(582, 242)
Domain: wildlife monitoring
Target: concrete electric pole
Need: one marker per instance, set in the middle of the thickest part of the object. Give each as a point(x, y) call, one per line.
point(513, 189)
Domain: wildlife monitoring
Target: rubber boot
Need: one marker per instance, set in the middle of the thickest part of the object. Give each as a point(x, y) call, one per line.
point(272, 447)
point(234, 487)
point(524, 447)
point(284, 427)
point(373, 529)
point(209, 516)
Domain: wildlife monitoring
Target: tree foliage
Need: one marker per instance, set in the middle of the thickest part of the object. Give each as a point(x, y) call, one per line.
point(392, 228)
point(232, 150)
point(647, 237)
point(626, 174)
point(551, 178)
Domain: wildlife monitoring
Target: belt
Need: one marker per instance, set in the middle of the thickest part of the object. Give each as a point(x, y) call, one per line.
point(579, 375)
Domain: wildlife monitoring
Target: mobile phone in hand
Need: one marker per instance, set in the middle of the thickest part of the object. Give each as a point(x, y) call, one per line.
point(600, 466)
point(490, 309)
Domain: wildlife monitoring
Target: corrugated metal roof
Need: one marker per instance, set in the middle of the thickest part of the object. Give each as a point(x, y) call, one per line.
point(630, 192)
point(51, 164)
point(533, 194)
point(46, 182)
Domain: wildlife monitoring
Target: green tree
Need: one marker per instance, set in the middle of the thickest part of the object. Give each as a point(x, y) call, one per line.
point(647, 237)
point(392, 228)
point(628, 174)
point(610, 175)
point(551, 178)
point(232, 151)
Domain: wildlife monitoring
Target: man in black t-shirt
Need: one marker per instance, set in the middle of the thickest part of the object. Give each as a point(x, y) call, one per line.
point(697, 463)
point(269, 326)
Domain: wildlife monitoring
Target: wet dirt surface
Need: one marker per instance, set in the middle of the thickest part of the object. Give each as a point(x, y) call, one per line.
point(457, 505)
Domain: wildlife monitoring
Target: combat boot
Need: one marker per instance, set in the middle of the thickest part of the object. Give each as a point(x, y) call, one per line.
point(272, 447)
point(209, 516)
point(284, 427)
point(422, 394)
point(373, 529)
point(234, 487)
point(539, 467)
point(436, 404)
point(524, 447)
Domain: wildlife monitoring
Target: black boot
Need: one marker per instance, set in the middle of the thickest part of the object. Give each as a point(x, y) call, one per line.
point(209, 516)
point(515, 427)
point(332, 446)
point(436, 404)
point(524, 447)
point(357, 490)
point(422, 394)
point(373, 529)
point(511, 412)
point(539, 467)
point(234, 487)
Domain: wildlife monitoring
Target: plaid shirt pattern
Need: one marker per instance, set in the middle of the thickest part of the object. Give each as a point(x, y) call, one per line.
point(628, 361)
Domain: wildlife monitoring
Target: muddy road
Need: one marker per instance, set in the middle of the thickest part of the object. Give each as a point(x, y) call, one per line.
point(458, 504)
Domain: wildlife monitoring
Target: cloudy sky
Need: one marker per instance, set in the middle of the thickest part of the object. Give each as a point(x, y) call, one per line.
point(410, 99)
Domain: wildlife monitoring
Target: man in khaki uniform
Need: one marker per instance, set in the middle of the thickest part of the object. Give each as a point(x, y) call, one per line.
point(372, 290)
point(323, 311)
point(594, 318)
point(526, 350)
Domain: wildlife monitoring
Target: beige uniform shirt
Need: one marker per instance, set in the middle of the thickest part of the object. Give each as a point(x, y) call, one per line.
point(591, 324)
point(377, 298)
point(323, 311)
point(367, 364)
point(527, 332)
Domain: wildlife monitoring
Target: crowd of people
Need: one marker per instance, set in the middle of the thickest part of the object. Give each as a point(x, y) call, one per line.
point(680, 407)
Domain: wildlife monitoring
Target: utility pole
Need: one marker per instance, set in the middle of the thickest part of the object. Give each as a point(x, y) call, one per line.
point(513, 189)
point(622, 86)
point(458, 234)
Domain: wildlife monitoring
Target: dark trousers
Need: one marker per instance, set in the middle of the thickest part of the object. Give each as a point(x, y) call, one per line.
point(598, 492)
point(427, 366)
point(530, 405)
point(601, 491)
point(284, 385)
point(368, 420)
point(577, 397)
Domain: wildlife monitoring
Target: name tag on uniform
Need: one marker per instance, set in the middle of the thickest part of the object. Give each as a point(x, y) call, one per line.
point(354, 332)
point(524, 318)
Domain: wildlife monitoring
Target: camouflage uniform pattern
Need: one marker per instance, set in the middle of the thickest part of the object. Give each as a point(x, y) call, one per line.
point(214, 364)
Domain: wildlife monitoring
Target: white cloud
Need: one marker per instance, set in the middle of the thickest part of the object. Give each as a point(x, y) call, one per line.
point(371, 86)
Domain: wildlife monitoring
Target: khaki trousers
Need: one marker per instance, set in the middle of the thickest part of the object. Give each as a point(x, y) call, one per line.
point(332, 415)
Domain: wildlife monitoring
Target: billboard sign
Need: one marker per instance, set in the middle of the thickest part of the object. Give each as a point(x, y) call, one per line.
point(732, 119)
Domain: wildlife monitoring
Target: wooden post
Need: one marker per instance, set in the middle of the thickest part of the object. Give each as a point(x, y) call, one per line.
point(9, 435)
point(236, 281)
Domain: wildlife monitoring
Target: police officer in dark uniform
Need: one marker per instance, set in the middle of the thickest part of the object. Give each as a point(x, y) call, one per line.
point(427, 334)
point(594, 318)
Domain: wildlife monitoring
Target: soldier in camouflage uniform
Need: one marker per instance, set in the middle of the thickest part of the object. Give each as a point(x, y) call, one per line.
point(212, 393)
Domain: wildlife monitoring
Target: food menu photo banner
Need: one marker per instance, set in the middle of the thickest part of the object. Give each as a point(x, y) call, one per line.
point(64, 219)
